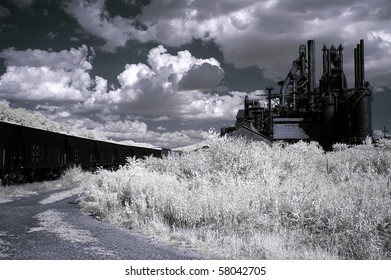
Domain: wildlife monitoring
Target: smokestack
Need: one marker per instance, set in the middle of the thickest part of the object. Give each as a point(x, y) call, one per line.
point(362, 70)
point(355, 68)
point(359, 76)
point(311, 72)
point(328, 71)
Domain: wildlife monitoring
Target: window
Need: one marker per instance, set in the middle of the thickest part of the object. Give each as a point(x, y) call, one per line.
point(76, 156)
point(35, 155)
point(63, 159)
point(94, 154)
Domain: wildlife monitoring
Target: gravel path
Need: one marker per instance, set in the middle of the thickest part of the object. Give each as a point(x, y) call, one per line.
point(49, 226)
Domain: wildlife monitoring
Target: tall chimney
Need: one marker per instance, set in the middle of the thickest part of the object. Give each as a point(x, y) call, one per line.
point(311, 73)
point(359, 74)
point(362, 70)
point(355, 69)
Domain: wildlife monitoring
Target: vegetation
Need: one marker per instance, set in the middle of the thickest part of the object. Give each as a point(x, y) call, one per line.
point(21, 116)
point(241, 199)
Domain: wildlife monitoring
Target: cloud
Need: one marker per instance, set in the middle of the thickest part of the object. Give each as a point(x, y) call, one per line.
point(179, 86)
point(41, 83)
point(92, 16)
point(4, 11)
point(128, 131)
point(378, 69)
point(250, 32)
point(43, 75)
point(204, 76)
point(52, 35)
point(268, 33)
point(161, 118)
point(67, 60)
point(23, 3)
point(170, 87)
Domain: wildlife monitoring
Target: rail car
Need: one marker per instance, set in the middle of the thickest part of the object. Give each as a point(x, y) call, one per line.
point(31, 154)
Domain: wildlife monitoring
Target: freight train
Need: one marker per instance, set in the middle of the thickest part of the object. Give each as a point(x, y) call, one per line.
point(30, 154)
point(330, 113)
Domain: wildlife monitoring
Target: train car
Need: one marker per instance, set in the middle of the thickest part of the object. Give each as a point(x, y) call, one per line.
point(28, 154)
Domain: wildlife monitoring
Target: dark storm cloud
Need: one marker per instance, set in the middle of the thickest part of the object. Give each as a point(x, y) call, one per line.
point(204, 76)
point(310, 6)
point(247, 32)
point(203, 9)
point(22, 3)
point(261, 32)
point(4, 11)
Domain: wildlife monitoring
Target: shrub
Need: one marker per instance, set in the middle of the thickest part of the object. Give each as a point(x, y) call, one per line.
point(256, 201)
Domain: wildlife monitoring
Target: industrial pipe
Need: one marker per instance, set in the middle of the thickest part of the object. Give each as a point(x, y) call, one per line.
point(287, 81)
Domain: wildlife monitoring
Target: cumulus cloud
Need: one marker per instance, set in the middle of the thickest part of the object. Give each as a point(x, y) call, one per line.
point(40, 83)
point(67, 60)
point(132, 132)
point(179, 86)
point(169, 87)
point(45, 75)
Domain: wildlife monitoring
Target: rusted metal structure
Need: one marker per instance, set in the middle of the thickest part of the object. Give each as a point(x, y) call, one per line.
point(329, 113)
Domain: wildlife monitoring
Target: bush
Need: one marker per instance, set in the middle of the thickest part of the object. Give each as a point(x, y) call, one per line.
point(240, 199)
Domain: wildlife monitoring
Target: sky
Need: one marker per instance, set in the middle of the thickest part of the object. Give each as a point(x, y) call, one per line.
point(165, 71)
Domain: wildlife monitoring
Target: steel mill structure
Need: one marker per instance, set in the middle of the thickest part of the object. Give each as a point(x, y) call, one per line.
point(329, 113)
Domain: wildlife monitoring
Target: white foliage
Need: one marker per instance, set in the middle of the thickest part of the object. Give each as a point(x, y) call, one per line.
point(243, 196)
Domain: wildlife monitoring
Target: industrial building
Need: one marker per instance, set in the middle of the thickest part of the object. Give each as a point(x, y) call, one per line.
point(328, 113)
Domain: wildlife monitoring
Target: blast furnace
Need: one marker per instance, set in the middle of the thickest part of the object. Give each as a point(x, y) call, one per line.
point(329, 113)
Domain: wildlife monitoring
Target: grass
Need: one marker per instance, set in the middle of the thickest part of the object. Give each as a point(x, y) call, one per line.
point(71, 179)
point(248, 200)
